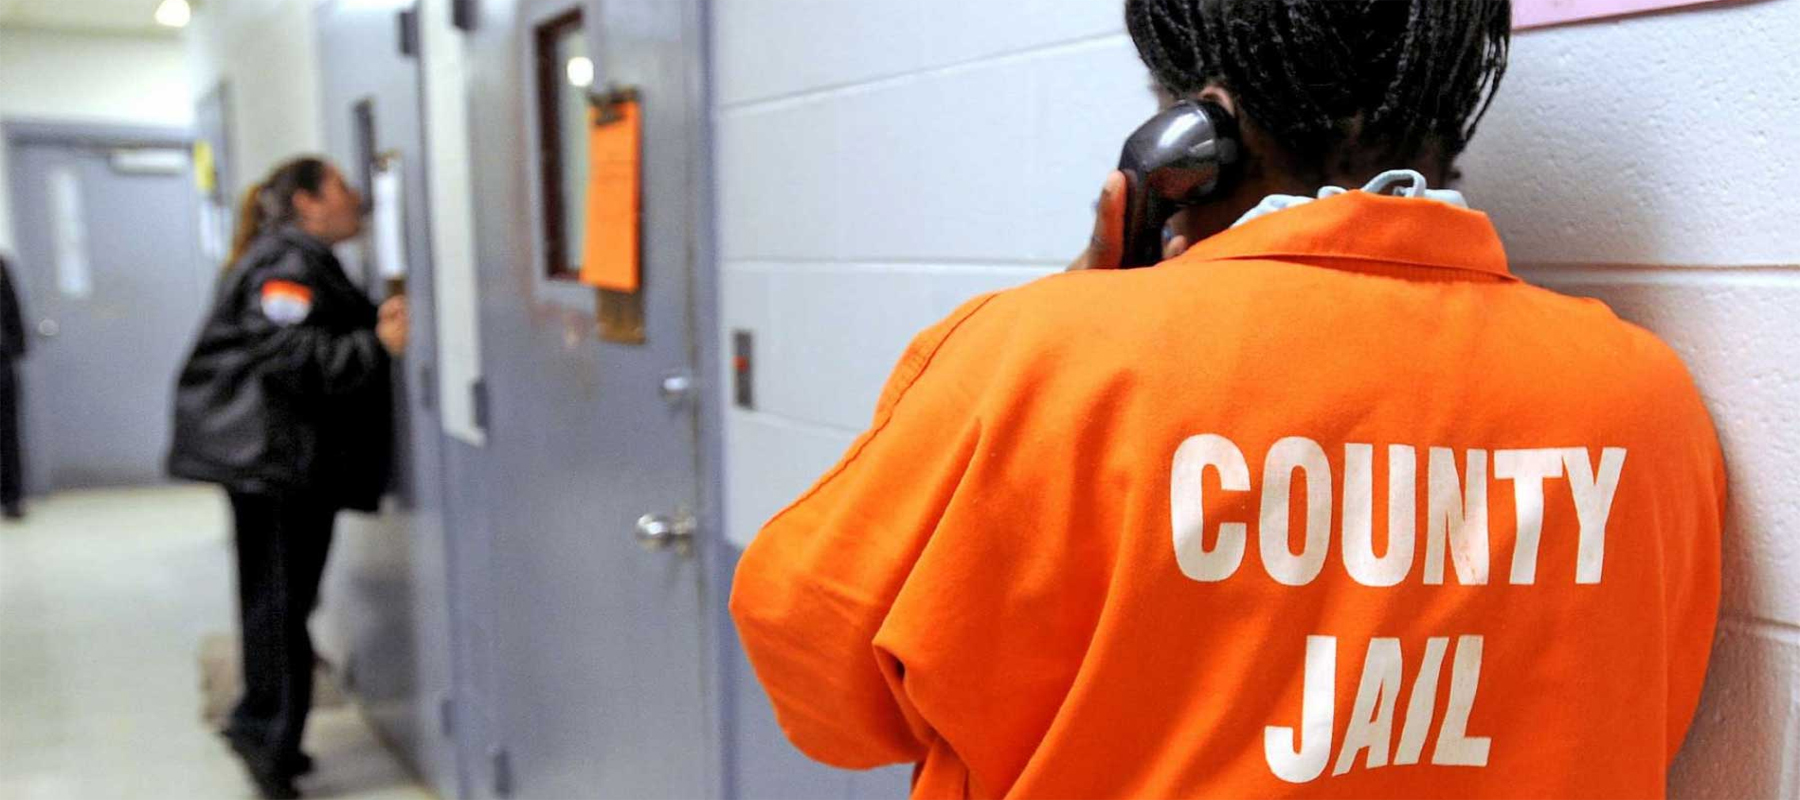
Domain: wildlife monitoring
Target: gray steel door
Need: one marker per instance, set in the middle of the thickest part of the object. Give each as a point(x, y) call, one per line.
point(113, 289)
point(391, 590)
point(597, 644)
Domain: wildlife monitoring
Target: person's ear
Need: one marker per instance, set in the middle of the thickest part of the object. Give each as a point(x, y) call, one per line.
point(1219, 94)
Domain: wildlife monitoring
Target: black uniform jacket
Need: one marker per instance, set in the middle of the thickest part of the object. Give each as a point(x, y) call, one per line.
point(12, 319)
point(287, 389)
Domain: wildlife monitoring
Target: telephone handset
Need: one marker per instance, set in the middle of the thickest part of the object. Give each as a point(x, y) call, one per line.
point(1183, 156)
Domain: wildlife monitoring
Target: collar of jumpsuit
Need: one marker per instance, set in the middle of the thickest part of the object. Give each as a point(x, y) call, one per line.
point(1320, 507)
point(1440, 233)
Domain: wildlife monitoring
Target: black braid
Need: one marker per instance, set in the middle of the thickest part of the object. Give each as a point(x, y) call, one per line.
point(1344, 84)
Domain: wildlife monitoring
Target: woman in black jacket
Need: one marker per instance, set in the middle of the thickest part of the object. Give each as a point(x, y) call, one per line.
point(286, 403)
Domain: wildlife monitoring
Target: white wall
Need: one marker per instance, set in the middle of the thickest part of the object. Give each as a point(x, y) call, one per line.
point(69, 77)
point(880, 161)
point(267, 51)
point(1651, 162)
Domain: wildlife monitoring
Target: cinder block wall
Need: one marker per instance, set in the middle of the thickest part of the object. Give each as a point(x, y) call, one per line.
point(1651, 162)
point(880, 161)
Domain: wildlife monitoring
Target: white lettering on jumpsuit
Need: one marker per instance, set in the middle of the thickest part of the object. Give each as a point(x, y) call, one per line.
point(1455, 543)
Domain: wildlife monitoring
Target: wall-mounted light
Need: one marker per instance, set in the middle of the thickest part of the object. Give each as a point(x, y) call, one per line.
point(581, 71)
point(173, 13)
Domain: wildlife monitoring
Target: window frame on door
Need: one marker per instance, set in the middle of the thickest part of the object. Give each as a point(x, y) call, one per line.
point(548, 78)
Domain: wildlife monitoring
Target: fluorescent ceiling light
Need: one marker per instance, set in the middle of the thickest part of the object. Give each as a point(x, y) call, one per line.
point(173, 13)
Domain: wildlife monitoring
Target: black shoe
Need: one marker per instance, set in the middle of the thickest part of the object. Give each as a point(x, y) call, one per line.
point(274, 780)
point(297, 764)
point(272, 784)
point(13, 511)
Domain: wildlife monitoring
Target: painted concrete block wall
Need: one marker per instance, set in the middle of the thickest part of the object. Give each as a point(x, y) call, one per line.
point(1650, 162)
point(71, 77)
point(878, 162)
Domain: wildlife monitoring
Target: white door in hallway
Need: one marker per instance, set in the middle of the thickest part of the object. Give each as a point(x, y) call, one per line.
point(113, 288)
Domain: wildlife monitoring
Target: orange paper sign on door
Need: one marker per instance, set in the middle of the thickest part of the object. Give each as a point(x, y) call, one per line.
point(609, 258)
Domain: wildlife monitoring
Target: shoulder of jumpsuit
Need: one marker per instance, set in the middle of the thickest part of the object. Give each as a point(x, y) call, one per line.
point(1047, 335)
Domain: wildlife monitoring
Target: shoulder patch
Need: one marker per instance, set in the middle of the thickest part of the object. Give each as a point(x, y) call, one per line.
point(286, 302)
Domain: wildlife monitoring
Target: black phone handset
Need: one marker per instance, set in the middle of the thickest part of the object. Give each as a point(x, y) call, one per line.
point(1183, 156)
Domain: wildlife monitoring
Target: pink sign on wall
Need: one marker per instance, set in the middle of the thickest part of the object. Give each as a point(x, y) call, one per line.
point(1539, 13)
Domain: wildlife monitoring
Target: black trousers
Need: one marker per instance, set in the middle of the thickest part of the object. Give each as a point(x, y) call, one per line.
point(282, 541)
point(12, 480)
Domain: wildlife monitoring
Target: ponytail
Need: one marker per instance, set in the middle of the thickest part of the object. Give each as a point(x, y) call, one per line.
point(271, 201)
point(250, 222)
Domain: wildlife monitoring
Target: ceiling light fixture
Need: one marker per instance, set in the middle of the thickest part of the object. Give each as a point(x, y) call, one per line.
point(174, 13)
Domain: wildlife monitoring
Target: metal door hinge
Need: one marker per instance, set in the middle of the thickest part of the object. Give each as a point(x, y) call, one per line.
point(427, 386)
point(478, 392)
point(500, 765)
point(446, 715)
point(408, 19)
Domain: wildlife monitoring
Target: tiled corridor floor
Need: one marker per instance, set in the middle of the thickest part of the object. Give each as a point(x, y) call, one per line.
point(104, 599)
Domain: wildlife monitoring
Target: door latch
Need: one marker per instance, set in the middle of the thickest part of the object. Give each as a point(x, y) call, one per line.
point(677, 388)
point(665, 532)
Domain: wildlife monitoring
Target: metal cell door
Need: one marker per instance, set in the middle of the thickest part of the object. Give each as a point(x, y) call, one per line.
point(113, 290)
point(390, 594)
point(592, 449)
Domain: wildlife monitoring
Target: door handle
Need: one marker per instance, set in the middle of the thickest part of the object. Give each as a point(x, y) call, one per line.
point(48, 328)
point(664, 532)
point(677, 387)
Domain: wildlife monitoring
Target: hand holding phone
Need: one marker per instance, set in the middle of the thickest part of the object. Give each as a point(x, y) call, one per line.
point(1108, 240)
point(1183, 156)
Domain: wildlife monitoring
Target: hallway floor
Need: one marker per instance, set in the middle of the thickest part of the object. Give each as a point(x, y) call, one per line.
point(104, 599)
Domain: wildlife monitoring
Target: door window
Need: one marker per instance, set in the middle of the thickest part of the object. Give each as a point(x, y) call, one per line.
point(564, 73)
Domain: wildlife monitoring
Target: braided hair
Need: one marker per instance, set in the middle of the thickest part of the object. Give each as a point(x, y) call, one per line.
point(1342, 86)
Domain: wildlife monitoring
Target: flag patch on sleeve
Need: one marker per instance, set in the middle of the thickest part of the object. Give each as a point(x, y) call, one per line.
point(286, 302)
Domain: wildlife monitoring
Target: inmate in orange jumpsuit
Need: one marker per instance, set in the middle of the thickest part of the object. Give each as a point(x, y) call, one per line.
point(1330, 505)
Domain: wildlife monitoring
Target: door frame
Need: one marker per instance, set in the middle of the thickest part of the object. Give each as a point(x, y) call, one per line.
point(38, 130)
point(18, 132)
point(434, 752)
point(718, 559)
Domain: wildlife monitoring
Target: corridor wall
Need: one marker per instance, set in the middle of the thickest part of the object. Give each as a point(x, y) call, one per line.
point(1580, 167)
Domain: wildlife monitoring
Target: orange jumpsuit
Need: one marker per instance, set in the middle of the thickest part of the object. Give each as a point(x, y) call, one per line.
point(1330, 505)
